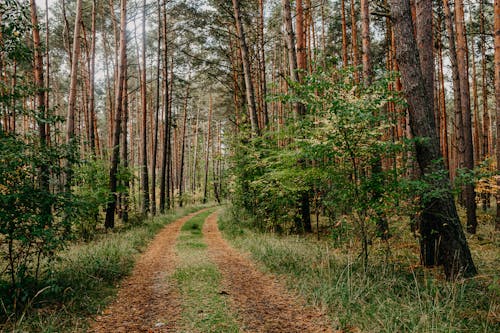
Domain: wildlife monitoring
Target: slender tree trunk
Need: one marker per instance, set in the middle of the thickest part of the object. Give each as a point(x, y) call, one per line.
point(463, 66)
point(183, 145)
point(111, 207)
point(41, 108)
point(166, 128)
point(124, 150)
point(457, 103)
point(301, 42)
point(157, 114)
point(443, 241)
point(70, 118)
point(254, 123)
point(262, 52)
point(207, 153)
point(344, 34)
point(496, 33)
point(443, 126)
point(144, 130)
point(365, 36)
point(354, 37)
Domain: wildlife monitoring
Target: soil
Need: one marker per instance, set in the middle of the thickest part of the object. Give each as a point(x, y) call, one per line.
point(260, 300)
point(147, 301)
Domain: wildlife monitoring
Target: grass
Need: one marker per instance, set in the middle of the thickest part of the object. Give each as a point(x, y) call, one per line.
point(84, 279)
point(391, 296)
point(204, 308)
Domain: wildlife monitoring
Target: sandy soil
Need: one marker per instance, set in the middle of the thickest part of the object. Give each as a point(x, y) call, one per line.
point(146, 302)
point(259, 299)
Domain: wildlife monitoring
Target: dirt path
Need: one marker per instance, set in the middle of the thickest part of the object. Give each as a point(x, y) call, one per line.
point(145, 301)
point(260, 301)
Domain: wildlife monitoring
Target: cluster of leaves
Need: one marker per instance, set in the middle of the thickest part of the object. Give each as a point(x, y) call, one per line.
point(32, 216)
point(334, 153)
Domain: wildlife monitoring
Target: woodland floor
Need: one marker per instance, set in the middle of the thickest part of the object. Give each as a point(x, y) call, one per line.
point(153, 300)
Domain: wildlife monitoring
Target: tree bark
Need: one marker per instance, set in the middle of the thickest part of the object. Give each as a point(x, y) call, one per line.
point(252, 109)
point(442, 239)
point(207, 152)
point(463, 72)
point(365, 36)
point(144, 145)
point(457, 96)
point(497, 99)
point(354, 37)
point(115, 154)
point(183, 146)
point(344, 35)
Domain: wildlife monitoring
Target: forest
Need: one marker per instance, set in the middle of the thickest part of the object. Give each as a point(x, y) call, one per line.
point(174, 166)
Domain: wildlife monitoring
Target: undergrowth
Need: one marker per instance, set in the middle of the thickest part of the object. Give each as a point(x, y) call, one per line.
point(204, 308)
point(83, 279)
point(390, 296)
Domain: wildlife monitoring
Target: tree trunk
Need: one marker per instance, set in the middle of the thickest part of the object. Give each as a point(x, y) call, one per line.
point(144, 145)
point(463, 72)
point(183, 145)
point(497, 99)
point(443, 241)
point(70, 119)
point(365, 36)
point(262, 54)
point(157, 114)
point(252, 109)
point(354, 37)
point(124, 150)
point(344, 35)
point(115, 157)
point(292, 54)
point(207, 153)
point(457, 96)
point(41, 108)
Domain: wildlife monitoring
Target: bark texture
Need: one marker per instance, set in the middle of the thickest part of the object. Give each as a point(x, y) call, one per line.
point(442, 239)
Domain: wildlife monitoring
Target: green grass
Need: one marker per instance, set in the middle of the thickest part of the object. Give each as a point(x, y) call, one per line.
point(389, 297)
point(84, 279)
point(204, 309)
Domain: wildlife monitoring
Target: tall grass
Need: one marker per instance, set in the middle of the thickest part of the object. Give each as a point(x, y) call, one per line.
point(84, 279)
point(388, 297)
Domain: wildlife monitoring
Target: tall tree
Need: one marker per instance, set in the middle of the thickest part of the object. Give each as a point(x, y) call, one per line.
point(496, 11)
point(247, 72)
point(115, 153)
point(144, 129)
point(365, 36)
point(463, 72)
point(442, 239)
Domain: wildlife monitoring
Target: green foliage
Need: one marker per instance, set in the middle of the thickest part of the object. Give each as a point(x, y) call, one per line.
point(334, 153)
point(32, 217)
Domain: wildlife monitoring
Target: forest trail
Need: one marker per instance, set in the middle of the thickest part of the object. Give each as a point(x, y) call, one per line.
point(260, 300)
point(150, 300)
point(144, 298)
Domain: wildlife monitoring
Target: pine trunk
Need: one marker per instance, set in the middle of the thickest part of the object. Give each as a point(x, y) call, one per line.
point(443, 241)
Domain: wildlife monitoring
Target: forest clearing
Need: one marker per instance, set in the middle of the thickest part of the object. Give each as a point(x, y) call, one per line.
point(249, 166)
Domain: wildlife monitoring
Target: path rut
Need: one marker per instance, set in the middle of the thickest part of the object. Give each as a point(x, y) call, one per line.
point(146, 302)
point(262, 303)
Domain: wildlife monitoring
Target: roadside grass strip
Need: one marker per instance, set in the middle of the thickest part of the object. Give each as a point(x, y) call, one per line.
point(205, 308)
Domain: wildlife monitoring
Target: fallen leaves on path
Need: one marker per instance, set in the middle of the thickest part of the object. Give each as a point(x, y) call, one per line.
point(263, 304)
point(146, 302)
